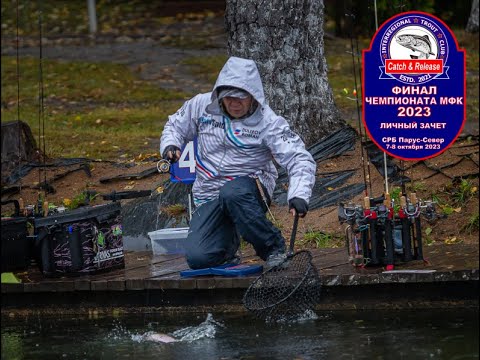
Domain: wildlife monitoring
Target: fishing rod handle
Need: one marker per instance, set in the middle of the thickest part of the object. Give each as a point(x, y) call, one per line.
point(294, 232)
point(413, 198)
point(21, 206)
point(366, 201)
point(388, 201)
point(45, 208)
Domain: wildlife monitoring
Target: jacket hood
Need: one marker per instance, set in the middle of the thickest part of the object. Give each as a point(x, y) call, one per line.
point(243, 74)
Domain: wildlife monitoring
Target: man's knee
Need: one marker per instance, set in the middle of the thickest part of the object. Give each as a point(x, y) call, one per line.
point(198, 258)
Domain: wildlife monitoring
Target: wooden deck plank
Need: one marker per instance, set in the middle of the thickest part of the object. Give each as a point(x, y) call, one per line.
point(142, 271)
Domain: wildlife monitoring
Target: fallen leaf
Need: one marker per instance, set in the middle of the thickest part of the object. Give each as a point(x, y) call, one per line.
point(159, 190)
point(457, 210)
point(450, 241)
point(129, 187)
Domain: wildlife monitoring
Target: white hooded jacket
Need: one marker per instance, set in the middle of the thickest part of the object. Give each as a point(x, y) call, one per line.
point(229, 148)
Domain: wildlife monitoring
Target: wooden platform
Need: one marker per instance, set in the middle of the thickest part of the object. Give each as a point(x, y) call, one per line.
point(155, 281)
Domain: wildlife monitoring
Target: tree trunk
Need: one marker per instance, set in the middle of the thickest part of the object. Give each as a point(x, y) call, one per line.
point(285, 38)
point(472, 25)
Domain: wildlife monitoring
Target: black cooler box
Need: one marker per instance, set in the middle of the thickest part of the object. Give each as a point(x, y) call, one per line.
point(82, 241)
point(15, 242)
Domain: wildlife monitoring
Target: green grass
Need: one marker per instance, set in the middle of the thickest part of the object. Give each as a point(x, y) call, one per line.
point(320, 239)
point(78, 81)
point(472, 225)
point(341, 75)
point(416, 186)
point(461, 191)
point(94, 110)
point(206, 68)
point(123, 133)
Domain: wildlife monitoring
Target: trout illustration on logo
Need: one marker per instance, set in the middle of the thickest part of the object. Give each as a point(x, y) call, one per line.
point(416, 43)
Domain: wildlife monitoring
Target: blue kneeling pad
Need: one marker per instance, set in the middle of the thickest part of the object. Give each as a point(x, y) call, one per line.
point(224, 270)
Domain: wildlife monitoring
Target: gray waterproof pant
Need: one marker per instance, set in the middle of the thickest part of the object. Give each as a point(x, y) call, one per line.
point(213, 237)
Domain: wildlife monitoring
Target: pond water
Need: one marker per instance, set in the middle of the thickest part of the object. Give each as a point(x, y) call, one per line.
point(432, 334)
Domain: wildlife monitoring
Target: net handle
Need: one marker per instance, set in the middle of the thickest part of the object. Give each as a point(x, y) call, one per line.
point(294, 233)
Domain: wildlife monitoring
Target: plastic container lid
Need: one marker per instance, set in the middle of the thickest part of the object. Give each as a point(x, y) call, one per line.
point(171, 233)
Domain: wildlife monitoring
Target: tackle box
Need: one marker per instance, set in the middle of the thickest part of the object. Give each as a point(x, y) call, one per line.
point(15, 242)
point(83, 241)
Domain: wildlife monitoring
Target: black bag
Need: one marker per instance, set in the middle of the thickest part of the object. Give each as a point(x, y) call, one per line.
point(82, 241)
point(15, 242)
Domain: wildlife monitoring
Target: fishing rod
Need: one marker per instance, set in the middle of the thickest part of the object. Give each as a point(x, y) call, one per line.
point(19, 133)
point(363, 243)
point(42, 207)
point(386, 209)
point(365, 180)
point(384, 153)
point(369, 177)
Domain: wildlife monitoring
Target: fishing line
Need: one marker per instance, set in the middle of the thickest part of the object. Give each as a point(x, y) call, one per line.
point(384, 153)
point(349, 14)
point(41, 109)
point(369, 177)
point(18, 94)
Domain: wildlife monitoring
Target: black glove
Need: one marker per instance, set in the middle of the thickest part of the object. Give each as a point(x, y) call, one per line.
point(170, 153)
point(300, 206)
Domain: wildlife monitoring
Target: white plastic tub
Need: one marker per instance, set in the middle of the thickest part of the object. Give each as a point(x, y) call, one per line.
point(168, 241)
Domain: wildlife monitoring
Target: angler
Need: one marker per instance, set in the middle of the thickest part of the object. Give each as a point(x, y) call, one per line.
point(235, 174)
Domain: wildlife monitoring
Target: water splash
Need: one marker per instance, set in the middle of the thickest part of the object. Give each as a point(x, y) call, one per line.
point(306, 316)
point(206, 329)
point(118, 332)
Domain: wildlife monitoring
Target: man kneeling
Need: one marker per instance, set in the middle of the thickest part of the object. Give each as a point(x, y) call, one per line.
point(238, 136)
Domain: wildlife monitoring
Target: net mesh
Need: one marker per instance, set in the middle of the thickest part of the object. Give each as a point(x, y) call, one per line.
point(286, 291)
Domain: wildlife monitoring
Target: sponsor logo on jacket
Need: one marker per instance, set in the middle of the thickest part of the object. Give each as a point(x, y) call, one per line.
point(204, 122)
point(247, 133)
